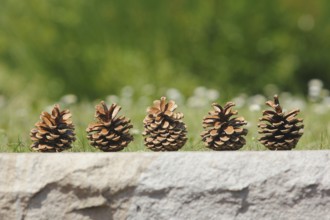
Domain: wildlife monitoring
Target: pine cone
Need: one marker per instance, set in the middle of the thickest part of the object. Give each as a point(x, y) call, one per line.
point(54, 133)
point(221, 131)
point(281, 131)
point(164, 129)
point(111, 132)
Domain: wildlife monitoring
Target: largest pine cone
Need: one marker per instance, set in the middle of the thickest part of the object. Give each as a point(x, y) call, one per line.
point(281, 131)
point(54, 133)
point(163, 128)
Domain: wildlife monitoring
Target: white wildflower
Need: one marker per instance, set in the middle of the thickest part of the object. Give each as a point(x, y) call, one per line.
point(174, 94)
point(212, 94)
point(315, 87)
point(110, 99)
point(69, 99)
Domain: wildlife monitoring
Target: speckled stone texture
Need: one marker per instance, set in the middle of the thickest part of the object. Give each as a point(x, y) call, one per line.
point(181, 185)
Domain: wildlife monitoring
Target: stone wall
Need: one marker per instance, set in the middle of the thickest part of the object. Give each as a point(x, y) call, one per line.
point(182, 185)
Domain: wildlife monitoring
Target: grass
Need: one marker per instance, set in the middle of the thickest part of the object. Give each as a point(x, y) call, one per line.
point(18, 117)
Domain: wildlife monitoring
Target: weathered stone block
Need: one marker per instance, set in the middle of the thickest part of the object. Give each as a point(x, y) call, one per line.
point(182, 185)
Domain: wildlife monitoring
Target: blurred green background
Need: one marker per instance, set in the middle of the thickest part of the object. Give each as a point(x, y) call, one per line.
point(132, 52)
point(94, 48)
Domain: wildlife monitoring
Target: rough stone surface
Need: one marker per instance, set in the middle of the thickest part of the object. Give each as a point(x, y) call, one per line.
point(183, 185)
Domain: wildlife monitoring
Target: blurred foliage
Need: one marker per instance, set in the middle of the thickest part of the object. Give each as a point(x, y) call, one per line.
point(94, 48)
